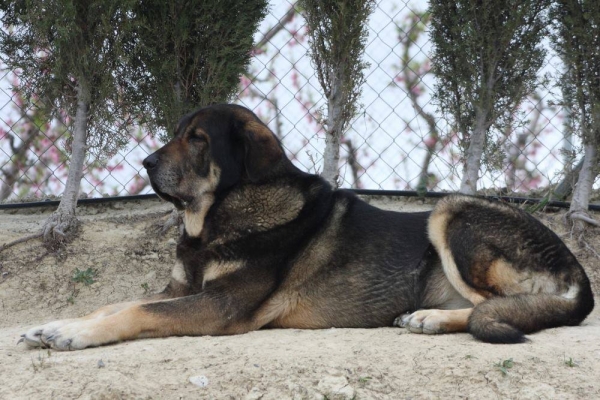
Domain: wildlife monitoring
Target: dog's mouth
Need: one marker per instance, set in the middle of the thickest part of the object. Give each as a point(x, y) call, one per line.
point(180, 203)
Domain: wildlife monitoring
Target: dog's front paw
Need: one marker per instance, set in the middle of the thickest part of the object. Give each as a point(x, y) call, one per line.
point(74, 336)
point(35, 337)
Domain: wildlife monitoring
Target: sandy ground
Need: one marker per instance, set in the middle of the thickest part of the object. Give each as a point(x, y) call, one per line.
point(119, 243)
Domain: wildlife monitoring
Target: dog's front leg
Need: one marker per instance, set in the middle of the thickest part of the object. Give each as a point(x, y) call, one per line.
point(178, 287)
point(216, 311)
point(34, 337)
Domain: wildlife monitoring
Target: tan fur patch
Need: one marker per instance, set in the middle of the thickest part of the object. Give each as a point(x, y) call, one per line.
point(215, 270)
point(506, 280)
point(280, 305)
point(509, 281)
point(111, 309)
point(194, 220)
point(178, 273)
point(438, 223)
point(193, 217)
point(129, 323)
point(440, 321)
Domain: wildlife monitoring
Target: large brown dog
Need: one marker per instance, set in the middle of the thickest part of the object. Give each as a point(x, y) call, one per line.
point(266, 245)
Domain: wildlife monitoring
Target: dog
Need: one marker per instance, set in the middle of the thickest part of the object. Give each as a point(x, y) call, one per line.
point(266, 245)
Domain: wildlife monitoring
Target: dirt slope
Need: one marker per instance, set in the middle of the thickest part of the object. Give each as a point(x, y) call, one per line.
point(118, 243)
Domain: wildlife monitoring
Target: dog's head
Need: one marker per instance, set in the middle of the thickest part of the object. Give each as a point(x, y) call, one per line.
point(213, 149)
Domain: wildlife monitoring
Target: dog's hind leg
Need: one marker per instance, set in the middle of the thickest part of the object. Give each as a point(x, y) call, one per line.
point(435, 321)
point(443, 308)
point(520, 277)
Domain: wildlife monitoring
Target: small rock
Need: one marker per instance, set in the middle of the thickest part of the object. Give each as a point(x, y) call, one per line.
point(335, 388)
point(254, 394)
point(101, 364)
point(151, 256)
point(199, 380)
point(171, 242)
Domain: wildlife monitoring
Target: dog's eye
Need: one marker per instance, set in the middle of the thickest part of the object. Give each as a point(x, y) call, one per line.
point(197, 139)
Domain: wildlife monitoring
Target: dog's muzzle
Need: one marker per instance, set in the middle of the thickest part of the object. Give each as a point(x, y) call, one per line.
point(150, 162)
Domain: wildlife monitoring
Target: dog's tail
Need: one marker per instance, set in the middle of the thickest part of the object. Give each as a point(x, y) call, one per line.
point(507, 319)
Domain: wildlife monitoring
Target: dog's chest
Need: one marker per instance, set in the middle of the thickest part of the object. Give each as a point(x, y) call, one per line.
point(201, 263)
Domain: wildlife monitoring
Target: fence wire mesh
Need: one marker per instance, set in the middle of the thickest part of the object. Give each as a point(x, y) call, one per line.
point(399, 140)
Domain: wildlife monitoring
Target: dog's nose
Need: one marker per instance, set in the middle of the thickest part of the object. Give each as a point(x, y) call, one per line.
point(151, 161)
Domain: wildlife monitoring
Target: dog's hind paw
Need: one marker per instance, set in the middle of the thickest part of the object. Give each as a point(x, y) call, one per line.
point(432, 322)
point(402, 320)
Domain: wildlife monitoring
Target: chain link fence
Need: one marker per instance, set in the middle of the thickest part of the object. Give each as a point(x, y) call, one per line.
point(398, 141)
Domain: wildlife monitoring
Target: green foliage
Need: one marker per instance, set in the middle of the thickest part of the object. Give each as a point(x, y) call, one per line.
point(571, 362)
point(363, 380)
point(190, 54)
point(486, 58)
point(149, 60)
point(61, 46)
point(504, 365)
point(87, 277)
point(576, 39)
point(338, 33)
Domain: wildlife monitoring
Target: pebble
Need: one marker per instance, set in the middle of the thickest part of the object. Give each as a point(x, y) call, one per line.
point(199, 380)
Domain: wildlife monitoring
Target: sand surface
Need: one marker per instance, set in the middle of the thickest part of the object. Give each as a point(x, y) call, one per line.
point(118, 241)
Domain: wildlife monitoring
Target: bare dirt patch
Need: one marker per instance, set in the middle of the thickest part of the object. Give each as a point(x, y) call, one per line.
point(126, 258)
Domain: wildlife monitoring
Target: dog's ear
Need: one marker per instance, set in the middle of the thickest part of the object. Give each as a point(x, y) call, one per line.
point(262, 151)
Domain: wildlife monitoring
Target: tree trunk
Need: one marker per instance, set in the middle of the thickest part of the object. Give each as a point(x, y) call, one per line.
point(424, 174)
point(470, 177)
point(333, 134)
point(353, 164)
point(63, 219)
point(583, 189)
point(565, 187)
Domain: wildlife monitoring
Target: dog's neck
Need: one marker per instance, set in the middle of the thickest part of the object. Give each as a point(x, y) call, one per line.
point(193, 217)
